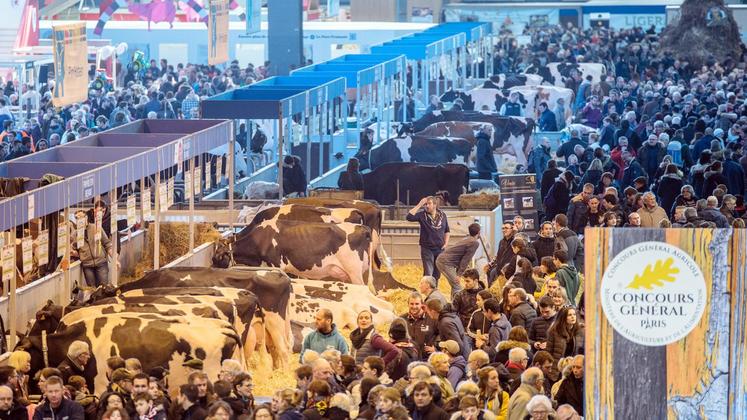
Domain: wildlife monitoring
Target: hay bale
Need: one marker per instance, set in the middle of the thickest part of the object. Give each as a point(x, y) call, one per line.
point(480, 200)
point(174, 243)
point(704, 34)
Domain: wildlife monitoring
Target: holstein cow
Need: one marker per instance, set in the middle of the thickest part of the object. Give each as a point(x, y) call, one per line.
point(308, 214)
point(462, 129)
point(505, 81)
point(237, 306)
point(425, 149)
point(492, 99)
point(304, 311)
point(153, 339)
point(355, 297)
point(415, 181)
point(556, 73)
point(511, 135)
point(306, 249)
point(272, 288)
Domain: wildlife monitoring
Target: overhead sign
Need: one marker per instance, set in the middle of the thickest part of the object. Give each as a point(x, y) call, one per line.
point(218, 32)
point(70, 48)
point(653, 293)
point(253, 16)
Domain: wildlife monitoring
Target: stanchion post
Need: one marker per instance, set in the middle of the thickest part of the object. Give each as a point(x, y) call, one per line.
point(157, 229)
point(13, 313)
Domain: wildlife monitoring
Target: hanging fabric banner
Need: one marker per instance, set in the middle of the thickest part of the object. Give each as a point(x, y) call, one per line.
point(42, 247)
point(218, 32)
point(70, 48)
point(253, 16)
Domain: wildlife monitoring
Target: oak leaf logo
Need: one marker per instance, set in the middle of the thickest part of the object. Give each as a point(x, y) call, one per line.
point(655, 276)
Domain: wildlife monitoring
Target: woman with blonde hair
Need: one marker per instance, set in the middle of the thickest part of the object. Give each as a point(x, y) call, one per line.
point(492, 396)
point(21, 361)
point(285, 404)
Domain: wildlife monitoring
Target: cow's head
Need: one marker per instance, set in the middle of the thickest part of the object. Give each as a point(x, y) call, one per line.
point(404, 129)
point(47, 319)
point(223, 255)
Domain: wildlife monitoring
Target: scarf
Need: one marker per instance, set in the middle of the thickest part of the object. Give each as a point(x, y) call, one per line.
point(358, 336)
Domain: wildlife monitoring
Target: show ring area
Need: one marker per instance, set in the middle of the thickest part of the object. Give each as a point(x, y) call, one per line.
point(415, 209)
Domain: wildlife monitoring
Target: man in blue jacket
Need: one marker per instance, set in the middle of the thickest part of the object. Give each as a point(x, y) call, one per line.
point(325, 337)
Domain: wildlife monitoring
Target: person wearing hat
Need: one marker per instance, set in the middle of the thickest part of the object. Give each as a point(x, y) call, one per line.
point(78, 357)
point(457, 363)
point(408, 353)
point(193, 365)
point(121, 384)
point(484, 161)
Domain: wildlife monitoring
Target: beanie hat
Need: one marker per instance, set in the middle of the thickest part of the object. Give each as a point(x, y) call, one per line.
point(398, 330)
point(77, 348)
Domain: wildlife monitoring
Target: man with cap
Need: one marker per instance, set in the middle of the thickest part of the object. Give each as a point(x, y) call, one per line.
point(78, 356)
point(121, 384)
point(193, 365)
point(457, 362)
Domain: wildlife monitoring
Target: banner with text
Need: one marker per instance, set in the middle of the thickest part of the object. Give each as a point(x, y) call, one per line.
point(70, 48)
point(218, 32)
point(253, 16)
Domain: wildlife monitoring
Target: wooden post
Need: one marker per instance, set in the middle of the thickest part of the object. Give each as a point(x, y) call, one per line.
point(157, 228)
point(12, 297)
point(114, 235)
point(231, 175)
point(191, 207)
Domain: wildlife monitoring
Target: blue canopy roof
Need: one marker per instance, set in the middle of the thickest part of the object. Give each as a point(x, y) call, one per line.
point(101, 162)
point(358, 72)
point(320, 87)
point(422, 46)
point(473, 30)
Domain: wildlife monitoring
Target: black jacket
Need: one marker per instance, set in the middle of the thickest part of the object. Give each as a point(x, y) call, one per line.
point(577, 215)
point(429, 412)
point(522, 315)
point(571, 392)
point(667, 190)
point(350, 181)
point(465, 303)
point(557, 199)
point(68, 410)
point(548, 178)
point(537, 331)
point(544, 247)
point(196, 412)
point(423, 332)
point(16, 412)
point(451, 328)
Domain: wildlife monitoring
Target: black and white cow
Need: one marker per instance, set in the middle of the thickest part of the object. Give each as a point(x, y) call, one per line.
point(424, 149)
point(505, 81)
point(155, 340)
point(306, 249)
point(272, 288)
point(556, 73)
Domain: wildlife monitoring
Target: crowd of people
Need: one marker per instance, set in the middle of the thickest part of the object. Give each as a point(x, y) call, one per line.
point(159, 91)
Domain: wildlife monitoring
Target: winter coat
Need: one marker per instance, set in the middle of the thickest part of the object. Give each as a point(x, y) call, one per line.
point(451, 328)
point(68, 410)
point(715, 216)
point(711, 179)
point(577, 214)
point(94, 253)
point(485, 160)
point(290, 414)
point(457, 370)
point(574, 246)
point(734, 177)
point(518, 402)
point(504, 347)
point(650, 218)
point(16, 412)
point(548, 179)
point(465, 303)
point(537, 331)
point(429, 412)
point(543, 247)
point(682, 201)
point(568, 277)
point(557, 343)
point(668, 189)
point(591, 176)
point(571, 392)
point(522, 315)
point(650, 157)
point(319, 342)
point(498, 332)
point(557, 199)
point(547, 121)
point(633, 171)
point(539, 157)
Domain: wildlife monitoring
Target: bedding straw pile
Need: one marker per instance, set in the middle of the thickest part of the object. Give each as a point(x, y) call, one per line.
point(480, 200)
point(174, 244)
